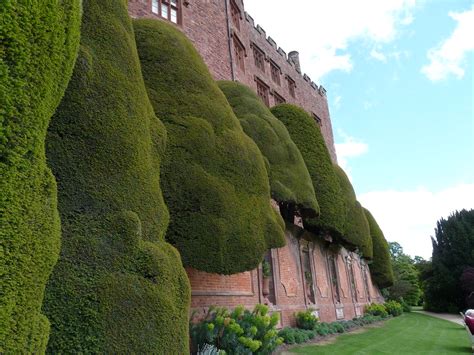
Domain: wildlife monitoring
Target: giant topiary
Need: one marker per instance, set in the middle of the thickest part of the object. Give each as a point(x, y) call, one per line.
point(356, 226)
point(214, 178)
point(310, 142)
point(290, 182)
point(381, 266)
point(118, 286)
point(38, 47)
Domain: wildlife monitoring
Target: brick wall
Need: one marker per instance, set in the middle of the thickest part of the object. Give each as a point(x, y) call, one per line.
point(206, 25)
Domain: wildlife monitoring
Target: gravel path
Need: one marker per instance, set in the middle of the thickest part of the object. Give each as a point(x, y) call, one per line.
point(455, 318)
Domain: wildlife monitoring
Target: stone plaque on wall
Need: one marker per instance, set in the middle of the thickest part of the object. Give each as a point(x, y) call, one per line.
point(340, 313)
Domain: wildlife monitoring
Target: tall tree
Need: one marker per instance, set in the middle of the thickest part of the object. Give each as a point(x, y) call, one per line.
point(453, 252)
point(406, 276)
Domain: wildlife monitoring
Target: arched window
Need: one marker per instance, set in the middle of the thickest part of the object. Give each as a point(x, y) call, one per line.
point(168, 9)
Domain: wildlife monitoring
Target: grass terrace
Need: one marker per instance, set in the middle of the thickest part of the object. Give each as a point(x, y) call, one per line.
point(411, 333)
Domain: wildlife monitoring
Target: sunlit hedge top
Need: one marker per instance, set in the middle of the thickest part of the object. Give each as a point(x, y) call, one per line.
point(381, 266)
point(214, 178)
point(289, 178)
point(118, 286)
point(38, 47)
point(356, 226)
point(309, 140)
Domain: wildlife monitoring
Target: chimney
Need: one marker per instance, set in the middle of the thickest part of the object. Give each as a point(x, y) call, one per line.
point(294, 57)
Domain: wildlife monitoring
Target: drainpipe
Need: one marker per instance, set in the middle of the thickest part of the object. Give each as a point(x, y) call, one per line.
point(229, 40)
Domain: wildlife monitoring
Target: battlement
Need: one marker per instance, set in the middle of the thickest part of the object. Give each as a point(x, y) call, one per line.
point(259, 29)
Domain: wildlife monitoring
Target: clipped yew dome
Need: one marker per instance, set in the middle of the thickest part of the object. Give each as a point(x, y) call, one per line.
point(118, 286)
point(381, 266)
point(310, 142)
point(214, 178)
point(290, 182)
point(356, 227)
point(38, 47)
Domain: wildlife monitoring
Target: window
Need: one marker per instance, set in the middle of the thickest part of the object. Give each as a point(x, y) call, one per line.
point(308, 275)
point(239, 51)
point(352, 279)
point(167, 9)
point(278, 99)
point(317, 119)
point(334, 278)
point(259, 58)
point(276, 72)
point(235, 14)
point(291, 86)
point(262, 91)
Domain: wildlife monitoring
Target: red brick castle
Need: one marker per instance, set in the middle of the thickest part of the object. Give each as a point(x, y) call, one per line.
point(304, 273)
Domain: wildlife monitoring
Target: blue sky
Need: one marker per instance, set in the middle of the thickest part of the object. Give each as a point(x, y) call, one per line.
point(399, 76)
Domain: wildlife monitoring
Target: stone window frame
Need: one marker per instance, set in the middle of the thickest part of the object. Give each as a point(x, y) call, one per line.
point(351, 277)
point(308, 247)
point(291, 86)
point(235, 14)
point(259, 57)
point(263, 91)
point(277, 98)
point(334, 277)
point(317, 119)
point(157, 9)
point(275, 72)
point(240, 52)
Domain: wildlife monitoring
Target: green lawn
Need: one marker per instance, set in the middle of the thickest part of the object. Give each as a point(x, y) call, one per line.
point(411, 333)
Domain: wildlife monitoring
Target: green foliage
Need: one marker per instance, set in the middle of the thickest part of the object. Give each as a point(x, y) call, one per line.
point(406, 277)
point(306, 319)
point(118, 287)
point(238, 332)
point(381, 266)
point(310, 142)
point(393, 308)
point(356, 226)
point(296, 335)
point(214, 178)
point(376, 309)
point(266, 270)
point(38, 47)
point(289, 178)
point(453, 252)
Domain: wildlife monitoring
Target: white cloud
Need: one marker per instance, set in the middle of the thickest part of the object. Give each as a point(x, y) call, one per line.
point(378, 55)
point(323, 31)
point(337, 102)
point(350, 148)
point(409, 217)
point(450, 56)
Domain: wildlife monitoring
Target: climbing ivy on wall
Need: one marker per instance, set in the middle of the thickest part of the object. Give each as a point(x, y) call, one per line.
point(118, 286)
point(289, 178)
point(356, 227)
point(309, 140)
point(38, 47)
point(381, 266)
point(214, 178)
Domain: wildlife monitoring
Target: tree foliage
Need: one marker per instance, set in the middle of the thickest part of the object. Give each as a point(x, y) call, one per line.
point(453, 252)
point(38, 47)
point(381, 266)
point(118, 286)
point(309, 140)
point(290, 182)
point(356, 227)
point(406, 285)
point(214, 177)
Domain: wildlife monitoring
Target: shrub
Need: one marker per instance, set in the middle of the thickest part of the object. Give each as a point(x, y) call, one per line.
point(376, 309)
point(118, 287)
point(356, 226)
point(296, 335)
point(238, 332)
point(289, 178)
point(381, 266)
point(38, 46)
point(310, 142)
point(393, 308)
point(306, 320)
point(214, 178)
